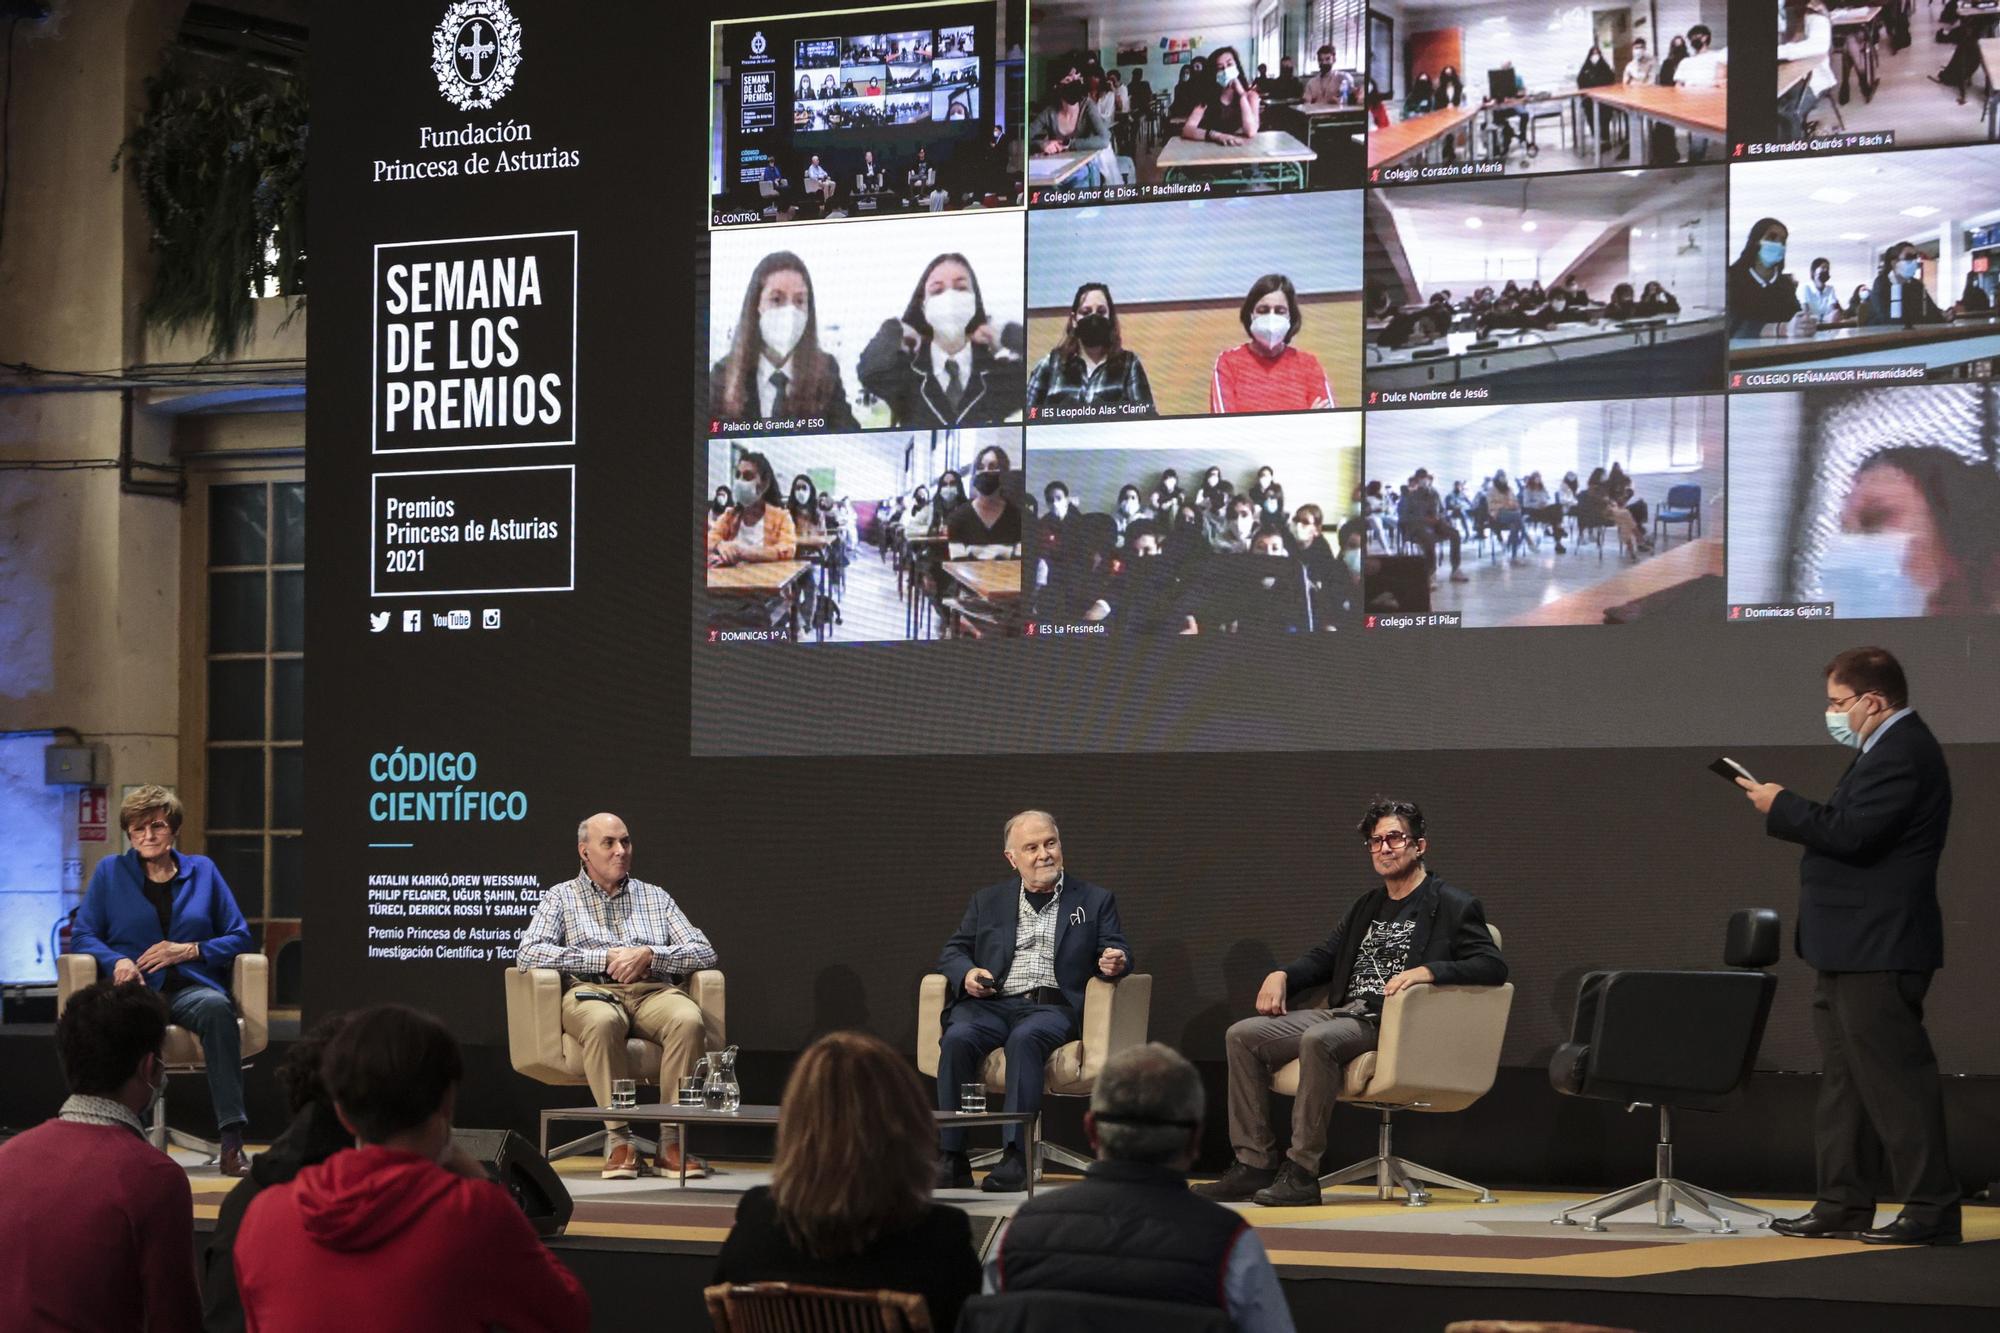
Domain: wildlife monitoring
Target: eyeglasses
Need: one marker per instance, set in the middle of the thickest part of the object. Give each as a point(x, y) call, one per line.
point(155, 828)
point(1841, 705)
point(1387, 842)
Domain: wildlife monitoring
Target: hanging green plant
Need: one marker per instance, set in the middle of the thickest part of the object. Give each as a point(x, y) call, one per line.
point(220, 161)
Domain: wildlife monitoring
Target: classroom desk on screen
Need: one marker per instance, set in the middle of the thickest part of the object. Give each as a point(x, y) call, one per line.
point(1268, 157)
point(1696, 110)
point(772, 578)
point(990, 580)
point(1945, 351)
point(1586, 606)
point(1792, 73)
point(1989, 63)
point(813, 548)
point(1047, 169)
point(1335, 135)
point(1681, 354)
point(921, 548)
point(1867, 19)
point(1535, 105)
point(1416, 136)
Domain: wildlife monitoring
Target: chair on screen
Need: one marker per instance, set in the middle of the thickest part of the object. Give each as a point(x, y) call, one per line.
point(1439, 1050)
point(249, 986)
point(539, 1048)
point(1683, 506)
point(1114, 1017)
point(1671, 1039)
point(791, 1307)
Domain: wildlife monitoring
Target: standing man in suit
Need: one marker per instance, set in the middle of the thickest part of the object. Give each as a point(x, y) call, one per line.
point(1014, 974)
point(1869, 924)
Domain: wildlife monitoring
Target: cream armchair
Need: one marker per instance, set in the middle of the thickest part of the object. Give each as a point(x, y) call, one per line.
point(539, 1048)
point(1114, 1017)
point(1439, 1051)
point(249, 985)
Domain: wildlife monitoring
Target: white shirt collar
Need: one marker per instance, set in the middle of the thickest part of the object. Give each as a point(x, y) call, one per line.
point(962, 357)
point(1887, 723)
point(85, 1109)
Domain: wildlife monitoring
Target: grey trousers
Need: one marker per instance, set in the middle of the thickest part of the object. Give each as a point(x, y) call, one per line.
point(1322, 1041)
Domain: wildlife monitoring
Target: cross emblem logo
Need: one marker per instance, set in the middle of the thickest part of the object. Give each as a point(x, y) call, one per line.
point(475, 48)
point(475, 53)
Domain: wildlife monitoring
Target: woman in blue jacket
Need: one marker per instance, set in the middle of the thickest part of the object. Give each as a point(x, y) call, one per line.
point(167, 919)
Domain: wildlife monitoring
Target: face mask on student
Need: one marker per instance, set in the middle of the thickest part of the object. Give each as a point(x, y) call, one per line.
point(1128, 506)
point(1907, 269)
point(949, 313)
point(1245, 526)
point(1225, 75)
point(781, 327)
point(1770, 253)
point(986, 483)
point(1059, 506)
point(802, 494)
point(1862, 574)
point(1093, 330)
point(746, 493)
point(948, 494)
point(1351, 557)
point(1270, 331)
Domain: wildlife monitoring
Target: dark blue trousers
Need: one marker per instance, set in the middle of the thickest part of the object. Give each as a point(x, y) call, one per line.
point(977, 1028)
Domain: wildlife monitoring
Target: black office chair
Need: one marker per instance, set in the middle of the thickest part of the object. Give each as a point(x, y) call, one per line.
point(1675, 1040)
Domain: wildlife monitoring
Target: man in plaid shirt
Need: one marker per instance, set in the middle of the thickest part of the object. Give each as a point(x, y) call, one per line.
point(625, 950)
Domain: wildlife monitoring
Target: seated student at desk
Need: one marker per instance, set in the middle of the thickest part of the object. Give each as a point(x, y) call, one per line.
point(775, 369)
point(988, 528)
point(1450, 92)
point(1267, 373)
point(1187, 91)
point(1817, 296)
point(1091, 366)
point(1286, 87)
point(1513, 119)
point(1622, 306)
point(1806, 33)
point(1657, 300)
point(1330, 583)
point(1762, 297)
point(756, 528)
point(1140, 592)
point(1408, 328)
point(1421, 99)
point(1898, 296)
point(1069, 123)
point(1227, 111)
point(1974, 300)
point(1329, 87)
point(1964, 36)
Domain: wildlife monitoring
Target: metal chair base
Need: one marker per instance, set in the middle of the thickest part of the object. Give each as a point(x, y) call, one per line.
point(1665, 1192)
point(163, 1137)
point(1390, 1172)
point(1047, 1154)
point(595, 1143)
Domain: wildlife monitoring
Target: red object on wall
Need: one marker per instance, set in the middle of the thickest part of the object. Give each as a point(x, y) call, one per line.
point(1432, 51)
point(93, 814)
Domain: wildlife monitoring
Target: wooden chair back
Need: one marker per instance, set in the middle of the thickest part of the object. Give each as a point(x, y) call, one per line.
point(790, 1307)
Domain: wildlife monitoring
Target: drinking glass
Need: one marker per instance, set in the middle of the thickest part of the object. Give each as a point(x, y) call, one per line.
point(972, 1098)
point(624, 1092)
point(690, 1091)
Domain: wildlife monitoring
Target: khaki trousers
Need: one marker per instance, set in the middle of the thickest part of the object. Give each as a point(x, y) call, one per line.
point(1322, 1041)
point(655, 1010)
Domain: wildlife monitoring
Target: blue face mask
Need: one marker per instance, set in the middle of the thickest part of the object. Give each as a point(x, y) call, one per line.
point(1770, 253)
point(1906, 269)
point(1225, 77)
point(1862, 574)
point(1838, 727)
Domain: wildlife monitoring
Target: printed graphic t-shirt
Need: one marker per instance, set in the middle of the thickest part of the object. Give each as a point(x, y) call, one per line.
point(1385, 951)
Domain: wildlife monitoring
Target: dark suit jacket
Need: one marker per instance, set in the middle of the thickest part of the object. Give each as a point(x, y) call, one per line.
point(1868, 879)
point(839, 416)
point(1087, 925)
point(1918, 307)
point(933, 1257)
point(916, 397)
point(1451, 940)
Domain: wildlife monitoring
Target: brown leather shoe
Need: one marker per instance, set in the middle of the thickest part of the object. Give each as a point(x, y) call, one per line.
point(668, 1163)
point(235, 1162)
point(622, 1163)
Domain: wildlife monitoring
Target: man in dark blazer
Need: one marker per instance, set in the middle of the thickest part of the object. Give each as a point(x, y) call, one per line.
point(1869, 924)
point(1412, 929)
point(1014, 976)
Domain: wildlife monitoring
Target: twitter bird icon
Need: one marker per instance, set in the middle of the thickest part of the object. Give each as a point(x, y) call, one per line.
point(377, 621)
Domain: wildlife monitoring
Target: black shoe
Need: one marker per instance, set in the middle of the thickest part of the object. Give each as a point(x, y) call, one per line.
point(954, 1172)
point(1812, 1226)
point(1295, 1187)
point(1238, 1183)
point(1009, 1175)
point(1908, 1231)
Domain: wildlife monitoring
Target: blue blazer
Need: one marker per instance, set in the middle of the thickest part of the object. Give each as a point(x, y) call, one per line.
point(117, 920)
point(1087, 925)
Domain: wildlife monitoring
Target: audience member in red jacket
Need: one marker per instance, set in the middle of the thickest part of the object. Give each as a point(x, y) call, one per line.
point(96, 1224)
point(406, 1231)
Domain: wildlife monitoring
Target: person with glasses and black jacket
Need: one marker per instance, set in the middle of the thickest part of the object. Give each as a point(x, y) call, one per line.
point(1411, 930)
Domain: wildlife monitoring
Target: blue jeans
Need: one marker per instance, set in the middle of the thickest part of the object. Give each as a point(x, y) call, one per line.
point(977, 1028)
point(211, 1016)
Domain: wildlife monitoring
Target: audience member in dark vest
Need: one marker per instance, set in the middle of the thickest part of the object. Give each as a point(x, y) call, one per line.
point(96, 1224)
point(403, 1233)
point(1132, 1228)
point(849, 1204)
point(314, 1135)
